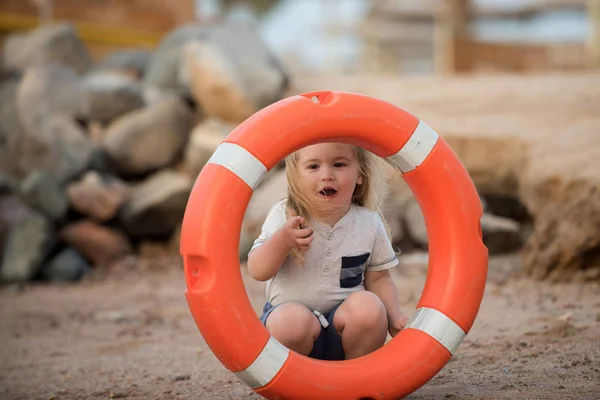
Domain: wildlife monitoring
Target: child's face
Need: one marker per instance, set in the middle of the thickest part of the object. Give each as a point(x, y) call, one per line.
point(330, 172)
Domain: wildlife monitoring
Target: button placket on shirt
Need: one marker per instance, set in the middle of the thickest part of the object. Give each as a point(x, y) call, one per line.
point(328, 252)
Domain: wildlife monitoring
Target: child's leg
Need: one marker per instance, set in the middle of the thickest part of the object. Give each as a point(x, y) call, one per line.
point(361, 320)
point(294, 326)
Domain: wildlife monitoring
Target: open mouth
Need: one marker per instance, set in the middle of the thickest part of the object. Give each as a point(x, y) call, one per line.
point(328, 192)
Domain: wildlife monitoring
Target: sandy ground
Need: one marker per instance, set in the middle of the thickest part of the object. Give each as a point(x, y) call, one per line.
point(130, 335)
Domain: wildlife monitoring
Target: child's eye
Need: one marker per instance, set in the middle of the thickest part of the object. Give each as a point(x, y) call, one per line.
point(313, 166)
point(339, 165)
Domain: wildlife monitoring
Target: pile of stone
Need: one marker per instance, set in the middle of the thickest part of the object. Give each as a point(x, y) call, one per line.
point(97, 158)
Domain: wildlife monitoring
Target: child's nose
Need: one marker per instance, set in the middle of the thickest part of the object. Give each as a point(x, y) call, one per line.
point(327, 177)
point(327, 174)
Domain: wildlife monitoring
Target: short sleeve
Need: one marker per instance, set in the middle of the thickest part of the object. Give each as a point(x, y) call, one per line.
point(383, 256)
point(274, 220)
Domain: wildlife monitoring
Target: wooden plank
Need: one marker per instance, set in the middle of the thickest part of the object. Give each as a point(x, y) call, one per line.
point(120, 36)
point(155, 15)
point(105, 24)
point(451, 44)
point(427, 9)
point(593, 42)
point(527, 57)
point(400, 32)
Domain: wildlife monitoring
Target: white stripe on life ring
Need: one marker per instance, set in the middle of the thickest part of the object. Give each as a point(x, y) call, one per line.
point(239, 161)
point(415, 150)
point(268, 363)
point(437, 325)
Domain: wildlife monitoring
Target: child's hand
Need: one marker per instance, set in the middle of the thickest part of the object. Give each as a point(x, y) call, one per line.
point(396, 325)
point(296, 234)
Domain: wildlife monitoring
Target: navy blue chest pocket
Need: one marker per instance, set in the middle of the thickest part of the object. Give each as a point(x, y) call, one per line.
point(352, 271)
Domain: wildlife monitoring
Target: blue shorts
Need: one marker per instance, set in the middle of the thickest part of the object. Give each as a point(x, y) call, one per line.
point(328, 345)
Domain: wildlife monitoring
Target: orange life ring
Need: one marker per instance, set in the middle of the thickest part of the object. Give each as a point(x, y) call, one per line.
point(457, 256)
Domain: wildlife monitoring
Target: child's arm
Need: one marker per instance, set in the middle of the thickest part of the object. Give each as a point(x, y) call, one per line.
point(382, 284)
point(265, 260)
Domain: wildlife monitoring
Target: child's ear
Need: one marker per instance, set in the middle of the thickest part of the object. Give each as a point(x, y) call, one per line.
point(359, 181)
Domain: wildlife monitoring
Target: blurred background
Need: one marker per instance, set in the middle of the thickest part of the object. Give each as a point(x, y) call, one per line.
point(109, 110)
point(382, 36)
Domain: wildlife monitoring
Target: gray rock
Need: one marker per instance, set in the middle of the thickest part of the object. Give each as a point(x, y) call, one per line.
point(154, 96)
point(47, 90)
point(10, 126)
point(415, 224)
point(110, 95)
point(163, 71)
point(500, 235)
point(232, 73)
point(156, 205)
point(25, 247)
point(54, 43)
point(13, 54)
point(97, 196)
point(396, 197)
point(133, 61)
point(8, 184)
point(66, 266)
point(203, 141)
point(12, 210)
point(149, 139)
point(62, 148)
point(43, 192)
point(99, 244)
point(70, 151)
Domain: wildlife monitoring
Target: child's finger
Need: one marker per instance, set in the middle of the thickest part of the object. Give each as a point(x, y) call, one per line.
point(304, 247)
point(296, 222)
point(303, 233)
point(304, 241)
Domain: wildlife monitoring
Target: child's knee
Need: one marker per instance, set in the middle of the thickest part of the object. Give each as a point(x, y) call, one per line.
point(364, 311)
point(293, 322)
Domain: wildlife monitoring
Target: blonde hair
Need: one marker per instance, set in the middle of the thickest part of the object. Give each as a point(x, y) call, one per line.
point(369, 194)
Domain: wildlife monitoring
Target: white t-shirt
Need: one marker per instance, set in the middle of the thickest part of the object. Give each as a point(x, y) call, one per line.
point(335, 263)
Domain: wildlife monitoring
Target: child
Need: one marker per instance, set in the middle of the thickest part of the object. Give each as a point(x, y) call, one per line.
point(316, 247)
